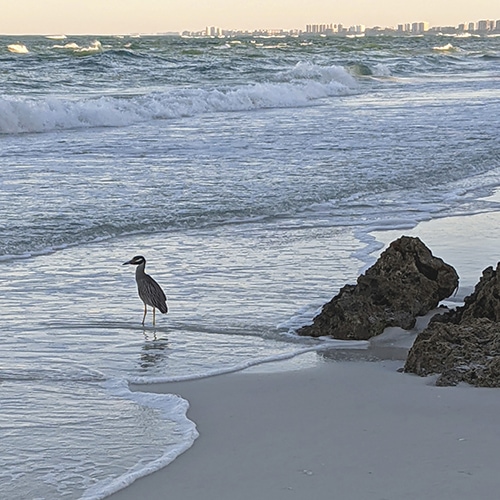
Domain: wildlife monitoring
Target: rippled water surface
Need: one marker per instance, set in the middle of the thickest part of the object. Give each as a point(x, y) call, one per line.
point(250, 173)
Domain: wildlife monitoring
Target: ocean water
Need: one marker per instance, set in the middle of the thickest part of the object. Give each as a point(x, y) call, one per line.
point(251, 173)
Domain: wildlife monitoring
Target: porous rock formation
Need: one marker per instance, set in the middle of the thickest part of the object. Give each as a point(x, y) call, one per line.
point(406, 281)
point(463, 345)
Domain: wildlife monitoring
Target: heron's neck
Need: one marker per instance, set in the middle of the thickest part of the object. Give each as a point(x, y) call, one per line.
point(139, 271)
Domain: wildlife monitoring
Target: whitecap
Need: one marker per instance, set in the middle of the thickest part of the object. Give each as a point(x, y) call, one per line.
point(94, 47)
point(17, 48)
point(444, 48)
point(68, 46)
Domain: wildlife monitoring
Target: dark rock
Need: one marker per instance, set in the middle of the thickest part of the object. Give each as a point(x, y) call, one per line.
point(405, 282)
point(463, 345)
point(484, 302)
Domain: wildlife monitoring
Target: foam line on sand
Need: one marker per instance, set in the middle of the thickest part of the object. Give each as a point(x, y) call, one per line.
point(338, 430)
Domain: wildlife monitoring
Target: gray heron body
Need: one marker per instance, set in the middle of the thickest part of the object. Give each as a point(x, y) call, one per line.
point(149, 290)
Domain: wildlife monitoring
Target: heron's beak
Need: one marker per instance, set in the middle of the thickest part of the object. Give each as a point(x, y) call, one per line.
point(128, 262)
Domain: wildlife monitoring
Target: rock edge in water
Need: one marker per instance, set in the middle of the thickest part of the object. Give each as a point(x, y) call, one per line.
point(406, 281)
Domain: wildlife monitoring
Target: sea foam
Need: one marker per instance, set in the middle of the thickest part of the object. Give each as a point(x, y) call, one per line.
point(174, 408)
point(445, 48)
point(18, 48)
point(302, 86)
point(93, 48)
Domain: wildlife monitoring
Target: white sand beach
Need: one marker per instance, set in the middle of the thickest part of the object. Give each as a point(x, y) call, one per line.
point(344, 427)
point(340, 430)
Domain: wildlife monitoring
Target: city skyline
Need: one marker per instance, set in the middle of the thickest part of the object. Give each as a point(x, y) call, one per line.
point(415, 28)
point(152, 16)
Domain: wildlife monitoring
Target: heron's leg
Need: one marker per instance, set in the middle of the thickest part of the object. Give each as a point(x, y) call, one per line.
point(154, 316)
point(145, 311)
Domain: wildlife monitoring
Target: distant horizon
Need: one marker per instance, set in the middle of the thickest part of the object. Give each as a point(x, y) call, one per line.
point(249, 30)
point(94, 17)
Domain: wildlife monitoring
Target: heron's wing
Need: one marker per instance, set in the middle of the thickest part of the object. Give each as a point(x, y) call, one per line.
point(151, 293)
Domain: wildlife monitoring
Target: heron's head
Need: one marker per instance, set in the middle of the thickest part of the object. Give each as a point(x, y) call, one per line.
point(138, 259)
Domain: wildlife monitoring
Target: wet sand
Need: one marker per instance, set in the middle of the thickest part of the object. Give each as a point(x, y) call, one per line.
point(349, 426)
point(338, 430)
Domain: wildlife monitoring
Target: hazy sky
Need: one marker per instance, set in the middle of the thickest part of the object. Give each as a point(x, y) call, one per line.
point(152, 16)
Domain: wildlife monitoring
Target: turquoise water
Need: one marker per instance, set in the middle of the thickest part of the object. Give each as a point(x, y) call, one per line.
point(250, 173)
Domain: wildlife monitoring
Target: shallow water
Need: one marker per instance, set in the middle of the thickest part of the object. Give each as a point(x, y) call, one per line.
point(252, 176)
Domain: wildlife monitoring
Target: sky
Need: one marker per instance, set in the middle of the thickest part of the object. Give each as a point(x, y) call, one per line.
point(158, 16)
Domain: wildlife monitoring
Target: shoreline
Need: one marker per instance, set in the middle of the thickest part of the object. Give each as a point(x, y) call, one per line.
point(341, 429)
point(348, 426)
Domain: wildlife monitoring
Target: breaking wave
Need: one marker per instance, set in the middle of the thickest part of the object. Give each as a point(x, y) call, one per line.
point(94, 47)
point(18, 48)
point(302, 86)
point(445, 48)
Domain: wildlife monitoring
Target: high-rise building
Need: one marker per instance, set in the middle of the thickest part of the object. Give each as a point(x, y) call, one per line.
point(320, 28)
point(483, 25)
point(419, 28)
point(213, 31)
point(358, 29)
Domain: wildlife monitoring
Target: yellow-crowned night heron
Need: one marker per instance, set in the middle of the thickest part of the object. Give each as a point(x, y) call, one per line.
point(150, 292)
